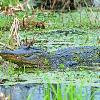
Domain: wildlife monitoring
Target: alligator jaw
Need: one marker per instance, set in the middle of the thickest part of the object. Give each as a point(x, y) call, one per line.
point(18, 59)
point(21, 60)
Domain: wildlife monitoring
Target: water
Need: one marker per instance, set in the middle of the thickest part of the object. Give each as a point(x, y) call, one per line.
point(37, 91)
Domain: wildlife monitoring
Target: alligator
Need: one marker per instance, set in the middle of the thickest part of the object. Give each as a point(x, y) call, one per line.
point(68, 57)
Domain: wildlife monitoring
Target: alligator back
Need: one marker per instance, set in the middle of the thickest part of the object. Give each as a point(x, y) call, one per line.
point(73, 56)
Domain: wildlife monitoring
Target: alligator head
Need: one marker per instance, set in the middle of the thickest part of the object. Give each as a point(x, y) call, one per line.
point(25, 55)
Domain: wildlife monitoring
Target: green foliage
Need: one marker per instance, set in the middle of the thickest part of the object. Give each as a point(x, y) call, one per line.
point(61, 66)
point(5, 22)
point(6, 3)
point(1, 34)
point(57, 20)
point(66, 92)
point(47, 92)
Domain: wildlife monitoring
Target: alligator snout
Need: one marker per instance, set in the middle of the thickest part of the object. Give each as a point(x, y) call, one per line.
point(30, 56)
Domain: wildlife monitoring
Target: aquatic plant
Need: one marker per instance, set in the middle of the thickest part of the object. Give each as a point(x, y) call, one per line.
point(67, 92)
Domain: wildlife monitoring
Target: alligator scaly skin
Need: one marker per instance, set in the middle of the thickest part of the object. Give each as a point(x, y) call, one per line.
point(73, 56)
point(68, 57)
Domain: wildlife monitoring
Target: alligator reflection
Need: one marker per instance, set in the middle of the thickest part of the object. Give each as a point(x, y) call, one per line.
point(49, 92)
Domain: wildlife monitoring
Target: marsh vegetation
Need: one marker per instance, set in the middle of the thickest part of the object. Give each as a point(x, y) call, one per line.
point(47, 27)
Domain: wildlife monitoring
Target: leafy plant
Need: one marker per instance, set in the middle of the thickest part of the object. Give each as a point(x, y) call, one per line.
point(6, 3)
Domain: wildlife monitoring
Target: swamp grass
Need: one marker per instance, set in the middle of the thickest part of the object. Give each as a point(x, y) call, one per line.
point(83, 19)
point(66, 92)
